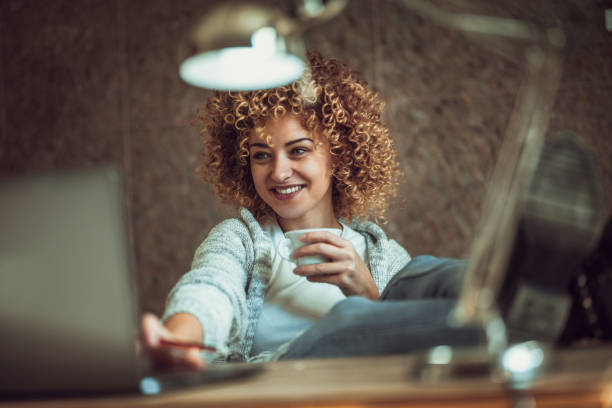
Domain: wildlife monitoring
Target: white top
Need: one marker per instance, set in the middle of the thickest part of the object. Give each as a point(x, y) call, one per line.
point(292, 303)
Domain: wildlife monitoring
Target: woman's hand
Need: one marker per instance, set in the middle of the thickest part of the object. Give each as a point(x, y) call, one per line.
point(153, 332)
point(344, 269)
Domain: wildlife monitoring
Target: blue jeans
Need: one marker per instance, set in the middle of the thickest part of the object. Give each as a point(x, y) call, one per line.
point(412, 314)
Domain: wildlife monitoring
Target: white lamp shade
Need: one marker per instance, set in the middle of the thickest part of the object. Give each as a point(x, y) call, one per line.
point(241, 69)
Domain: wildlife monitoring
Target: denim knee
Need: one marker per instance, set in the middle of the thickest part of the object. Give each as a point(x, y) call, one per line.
point(426, 276)
point(350, 305)
point(349, 309)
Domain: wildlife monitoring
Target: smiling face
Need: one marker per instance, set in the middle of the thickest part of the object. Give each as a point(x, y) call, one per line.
point(291, 170)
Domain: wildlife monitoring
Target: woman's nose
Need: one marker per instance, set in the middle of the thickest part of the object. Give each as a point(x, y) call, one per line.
point(282, 169)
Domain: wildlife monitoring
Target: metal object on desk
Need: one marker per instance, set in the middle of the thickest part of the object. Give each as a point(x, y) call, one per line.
point(517, 367)
point(491, 250)
point(489, 254)
point(541, 50)
point(508, 191)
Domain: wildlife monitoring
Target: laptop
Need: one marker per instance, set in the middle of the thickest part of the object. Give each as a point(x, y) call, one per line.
point(68, 312)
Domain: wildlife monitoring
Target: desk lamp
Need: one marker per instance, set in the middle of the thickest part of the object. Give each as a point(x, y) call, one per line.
point(248, 46)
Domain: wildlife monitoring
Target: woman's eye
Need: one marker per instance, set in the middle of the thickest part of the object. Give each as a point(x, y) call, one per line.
point(260, 155)
point(298, 151)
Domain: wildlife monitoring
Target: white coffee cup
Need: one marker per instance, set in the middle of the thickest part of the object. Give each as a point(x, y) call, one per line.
point(291, 242)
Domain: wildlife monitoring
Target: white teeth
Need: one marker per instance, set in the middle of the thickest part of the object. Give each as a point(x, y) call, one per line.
point(288, 190)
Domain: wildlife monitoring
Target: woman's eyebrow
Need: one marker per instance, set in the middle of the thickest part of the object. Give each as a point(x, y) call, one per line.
point(298, 141)
point(259, 145)
point(265, 146)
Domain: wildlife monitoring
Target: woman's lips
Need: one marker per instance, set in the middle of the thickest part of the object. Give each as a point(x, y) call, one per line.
point(287, 193)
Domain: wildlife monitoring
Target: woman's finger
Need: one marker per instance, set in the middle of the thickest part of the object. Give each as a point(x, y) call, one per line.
point(333, 279)
point(193, 358)
point(165, 356)
point(150, 330)
point(329, 251)
point(321, 269)
point(323, 236)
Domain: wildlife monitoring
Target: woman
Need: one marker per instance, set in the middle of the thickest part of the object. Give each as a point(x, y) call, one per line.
point(312, 154)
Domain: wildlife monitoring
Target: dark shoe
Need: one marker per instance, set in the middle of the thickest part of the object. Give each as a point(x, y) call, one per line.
point(591, 314)
point(559, 224)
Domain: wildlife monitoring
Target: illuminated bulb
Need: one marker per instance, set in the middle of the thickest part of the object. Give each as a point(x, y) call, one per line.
point(440, 355)
point(523, 357)
point(264, 41)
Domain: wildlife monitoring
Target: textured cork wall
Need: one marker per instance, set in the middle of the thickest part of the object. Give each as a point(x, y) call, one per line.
point(83, 83)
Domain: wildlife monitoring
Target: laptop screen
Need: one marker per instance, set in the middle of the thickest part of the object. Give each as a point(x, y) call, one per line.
point(67, 304)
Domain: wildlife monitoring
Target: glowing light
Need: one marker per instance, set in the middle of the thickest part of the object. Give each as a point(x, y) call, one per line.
point(264, 41)
point(523, 357)
point(150, 386)
point(262, 66)
point(314, 7)
point(440, 355)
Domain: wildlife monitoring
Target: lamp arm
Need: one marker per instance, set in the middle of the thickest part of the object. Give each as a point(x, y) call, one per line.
point(305, 17)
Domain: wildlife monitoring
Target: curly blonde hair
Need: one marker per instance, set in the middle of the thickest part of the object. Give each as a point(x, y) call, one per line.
point(330, 100)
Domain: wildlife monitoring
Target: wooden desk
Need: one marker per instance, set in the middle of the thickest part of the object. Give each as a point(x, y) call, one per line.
point(574, 379)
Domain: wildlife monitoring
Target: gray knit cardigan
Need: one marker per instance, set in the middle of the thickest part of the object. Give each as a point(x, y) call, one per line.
point(230, 274)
